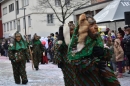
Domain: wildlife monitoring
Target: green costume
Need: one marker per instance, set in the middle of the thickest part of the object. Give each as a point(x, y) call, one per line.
point(37, 52)
point(17, 55)
point(61, 48)
point(61, 59)
point(85, 65)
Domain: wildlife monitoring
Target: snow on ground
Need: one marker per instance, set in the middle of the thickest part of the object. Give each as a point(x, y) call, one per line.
point(48, 75)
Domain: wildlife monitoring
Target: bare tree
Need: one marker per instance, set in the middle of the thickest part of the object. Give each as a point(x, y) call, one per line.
point(61, 8)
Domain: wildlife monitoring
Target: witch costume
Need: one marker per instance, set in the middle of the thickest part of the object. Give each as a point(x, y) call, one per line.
point(18, 56)
point(37, 49)
point(61, 48)
point(88, 64)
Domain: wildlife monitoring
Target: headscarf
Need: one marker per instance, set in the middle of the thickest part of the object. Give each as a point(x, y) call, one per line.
point(18, 45)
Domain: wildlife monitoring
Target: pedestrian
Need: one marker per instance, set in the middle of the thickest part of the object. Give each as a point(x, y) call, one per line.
point(61, 47)
point(119, 55)
point(121, 31)
point(37, 49)
point(50, 51)
point(87, 56)
point(126, 42)
point(17, 55)
point(6, 47)
point(2, 49)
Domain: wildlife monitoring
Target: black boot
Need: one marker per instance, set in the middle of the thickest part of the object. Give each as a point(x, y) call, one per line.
point(17, 82)
point(129, 72)
point(36, 68)
point(25, 82)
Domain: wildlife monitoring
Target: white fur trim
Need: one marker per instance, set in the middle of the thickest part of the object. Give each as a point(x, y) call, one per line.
point(66, 33)
point(11, 44)
point(60, 42)
point(80, 46)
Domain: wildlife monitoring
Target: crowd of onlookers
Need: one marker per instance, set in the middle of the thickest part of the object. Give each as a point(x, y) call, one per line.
point(118, 43)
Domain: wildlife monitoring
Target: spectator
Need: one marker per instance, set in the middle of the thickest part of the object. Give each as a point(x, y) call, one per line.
point(121, 31)
point(119, 54)
point(126, 41)
point(56, 34)
point(120, 36)
point(6, 47)
point(2, 49)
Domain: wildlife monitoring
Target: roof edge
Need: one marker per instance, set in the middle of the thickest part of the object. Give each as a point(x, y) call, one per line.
point(92, 5)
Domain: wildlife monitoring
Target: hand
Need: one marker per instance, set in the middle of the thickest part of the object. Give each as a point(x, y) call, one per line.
point(101, 65)
point(13, 60)
point(98, 51)
point(60, 65)
point(43, 53)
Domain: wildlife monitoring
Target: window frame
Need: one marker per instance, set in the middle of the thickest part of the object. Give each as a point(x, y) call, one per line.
point(50, 18)
point(4, 27)
point(67, 4)
point(11, 25)
point(57, 3)
point(29, 21)
point(7, 26)
point(4, 10)
point(14, 24)
point(11, 7)
point(25, 3)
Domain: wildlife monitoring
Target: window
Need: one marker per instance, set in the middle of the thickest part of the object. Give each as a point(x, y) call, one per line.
point(29, 21)
point(24, 23)
point(17, 7)
point(11, 25)
point(67, 2)
point(4, 27)
point(7, 26)
point(50, 18)
point(14, 24)
point(57, 3)
point(18, 25)
point(11, 7)
point(25, 2)
point(4, 10)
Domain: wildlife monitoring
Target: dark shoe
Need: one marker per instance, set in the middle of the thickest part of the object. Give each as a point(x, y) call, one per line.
point(37, 68)
point(25, 82)
point(129, 72)
point(17, 82)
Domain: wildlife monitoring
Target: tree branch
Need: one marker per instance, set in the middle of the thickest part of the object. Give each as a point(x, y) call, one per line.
point(54, 11)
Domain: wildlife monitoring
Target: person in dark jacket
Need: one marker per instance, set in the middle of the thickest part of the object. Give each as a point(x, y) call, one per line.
point(126, 41)
point(6, 48)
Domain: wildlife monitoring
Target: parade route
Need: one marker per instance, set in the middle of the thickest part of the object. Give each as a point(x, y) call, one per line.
point(48, 75)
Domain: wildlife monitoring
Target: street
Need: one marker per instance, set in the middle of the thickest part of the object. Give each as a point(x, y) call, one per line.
point(48, 75)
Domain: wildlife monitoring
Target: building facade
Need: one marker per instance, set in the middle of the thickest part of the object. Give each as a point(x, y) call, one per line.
point(41, 23)
point(1, 27)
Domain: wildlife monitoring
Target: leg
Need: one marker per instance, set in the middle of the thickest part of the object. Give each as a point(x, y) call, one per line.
point(16, 73)
point(36, 61)
point(120, 69)
point(128, 56)
point(23, 72)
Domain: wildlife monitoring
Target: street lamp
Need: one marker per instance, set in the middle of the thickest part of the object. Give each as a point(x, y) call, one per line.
point(24, 19)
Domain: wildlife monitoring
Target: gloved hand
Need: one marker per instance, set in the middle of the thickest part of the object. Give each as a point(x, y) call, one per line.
point(98, 51)
point(101, 65)
point(60, 65)
point(13, 60)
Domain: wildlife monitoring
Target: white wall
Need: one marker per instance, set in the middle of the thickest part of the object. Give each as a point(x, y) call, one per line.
point(38, 21)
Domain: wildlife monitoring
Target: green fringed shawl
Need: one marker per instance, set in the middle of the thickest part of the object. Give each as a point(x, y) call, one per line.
point(19, 45)
point(87, 50)
point(37, 42)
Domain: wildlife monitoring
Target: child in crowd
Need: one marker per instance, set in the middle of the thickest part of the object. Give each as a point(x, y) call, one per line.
point(119, 56)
